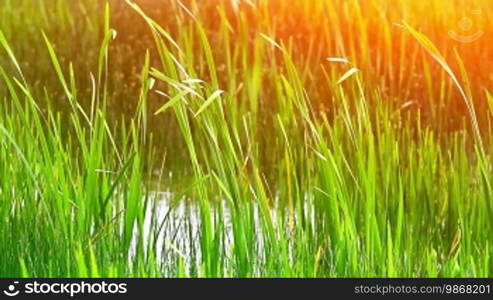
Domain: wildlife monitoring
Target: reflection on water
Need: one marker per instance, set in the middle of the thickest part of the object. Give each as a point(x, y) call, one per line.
point(172, 228)
point(167, 225)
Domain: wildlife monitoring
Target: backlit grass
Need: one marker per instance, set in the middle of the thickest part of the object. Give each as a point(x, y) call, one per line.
point(293, 139)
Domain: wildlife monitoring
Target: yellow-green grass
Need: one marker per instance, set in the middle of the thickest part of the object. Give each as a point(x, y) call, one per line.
point(304, 138)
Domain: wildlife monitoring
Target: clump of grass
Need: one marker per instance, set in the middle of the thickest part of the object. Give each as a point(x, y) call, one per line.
point(288, 168)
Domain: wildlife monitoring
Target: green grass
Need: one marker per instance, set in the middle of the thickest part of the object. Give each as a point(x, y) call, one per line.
point(284, 168)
